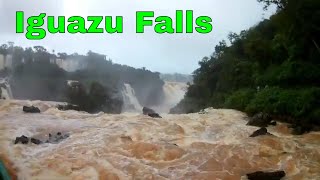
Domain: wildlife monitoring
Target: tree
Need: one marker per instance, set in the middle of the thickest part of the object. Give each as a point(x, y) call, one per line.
point(28, 55)
point(279, 55)
point(281, 4)
point(18, 55)
point(4, 49)
point(62, 55)
point(40, 49)
point(41, 54)
point(233, 37)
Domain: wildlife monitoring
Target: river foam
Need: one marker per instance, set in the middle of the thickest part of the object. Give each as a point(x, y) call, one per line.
point(211, 145)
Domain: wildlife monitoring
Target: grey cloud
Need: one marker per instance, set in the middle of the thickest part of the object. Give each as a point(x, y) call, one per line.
point(8, 10)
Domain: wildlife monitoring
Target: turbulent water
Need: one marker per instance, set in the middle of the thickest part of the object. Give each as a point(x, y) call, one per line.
point(173, 93)
point(6, 92)
point(210, 145)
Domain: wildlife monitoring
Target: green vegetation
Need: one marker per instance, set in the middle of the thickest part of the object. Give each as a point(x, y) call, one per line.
point(274, 67)
point(96, 99)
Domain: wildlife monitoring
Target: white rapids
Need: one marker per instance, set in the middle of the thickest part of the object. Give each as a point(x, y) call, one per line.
point(6, 92)
point(210, 145)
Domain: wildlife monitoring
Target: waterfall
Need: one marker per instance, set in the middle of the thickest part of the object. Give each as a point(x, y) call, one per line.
point(5, 89)
point(173, 94)
point(130, 101)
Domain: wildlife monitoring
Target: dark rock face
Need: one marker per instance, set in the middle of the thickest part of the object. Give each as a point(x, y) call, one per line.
point(260, 132)
point(68, 107)
point(36, 141)
point(260, 120)
point(147, 111)
point(150, 112)
point(22, 140)
point(259, 175)
point(31, 109)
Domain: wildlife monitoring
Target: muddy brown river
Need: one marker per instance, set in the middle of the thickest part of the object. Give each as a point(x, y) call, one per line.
point(211, 145)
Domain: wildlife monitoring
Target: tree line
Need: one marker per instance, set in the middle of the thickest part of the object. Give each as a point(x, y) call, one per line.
point(273, 67)
point(35, 75)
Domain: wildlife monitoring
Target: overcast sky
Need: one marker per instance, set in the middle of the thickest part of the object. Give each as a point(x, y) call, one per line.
point(163, 53)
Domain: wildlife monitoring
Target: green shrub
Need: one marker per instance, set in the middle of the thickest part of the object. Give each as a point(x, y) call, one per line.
point(297, 103)
point(217, 100)
point(240, 99)
point(315, 116)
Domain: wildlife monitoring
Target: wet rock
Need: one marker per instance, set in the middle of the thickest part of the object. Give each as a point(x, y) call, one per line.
point(23, 140)
point(297, 130)
point(66, 136)
point(316, 128)
point(301, 128)
point(260, 132)
point(36, 141)
point(68, 107)
point(273, 123)
point(147, 111)
point(54, 139)
point(154, 115)
point(259, 175)
point(260, 120)
point(31, 109)
point(150, 112)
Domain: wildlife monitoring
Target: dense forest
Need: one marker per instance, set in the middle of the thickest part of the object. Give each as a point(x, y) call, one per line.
point(35, 75)
point(273, 67)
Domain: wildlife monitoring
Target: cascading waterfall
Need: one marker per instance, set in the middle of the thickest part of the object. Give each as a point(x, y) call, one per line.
point(173, 94)
point(130, 101)
point(5, 89)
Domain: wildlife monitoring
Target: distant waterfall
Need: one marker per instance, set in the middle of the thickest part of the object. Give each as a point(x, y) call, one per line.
point(130, 101)
point(5, 89)
point(173, 94)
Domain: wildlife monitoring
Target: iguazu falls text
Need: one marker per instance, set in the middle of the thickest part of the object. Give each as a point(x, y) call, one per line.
point(39, 26)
